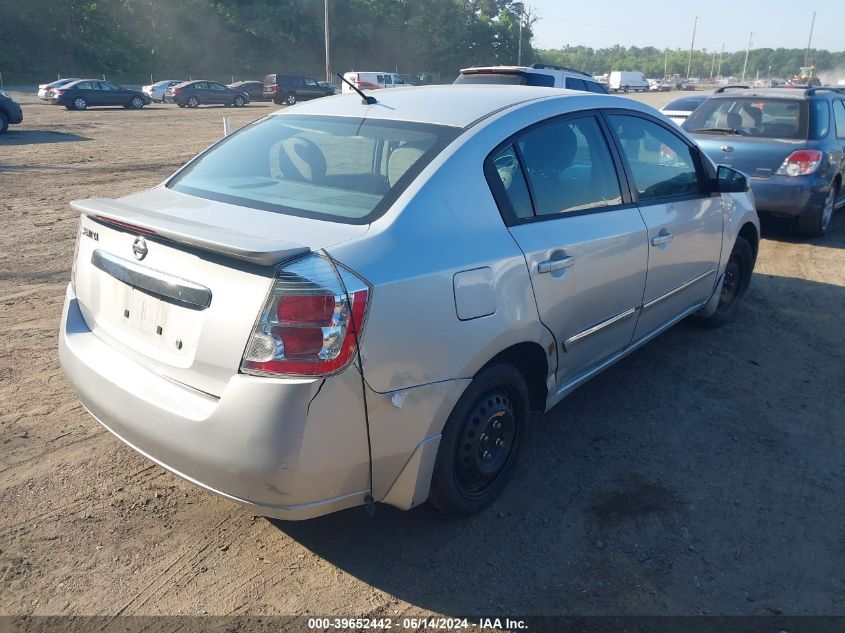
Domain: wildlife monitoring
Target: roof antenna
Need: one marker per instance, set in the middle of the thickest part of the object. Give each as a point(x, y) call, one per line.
point(366, 100)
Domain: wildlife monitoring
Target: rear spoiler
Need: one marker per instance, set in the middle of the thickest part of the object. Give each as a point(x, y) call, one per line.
point(243, 246)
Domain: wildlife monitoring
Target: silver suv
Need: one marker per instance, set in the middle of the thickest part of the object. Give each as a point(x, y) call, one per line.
point(346, 303)
point(544, 75)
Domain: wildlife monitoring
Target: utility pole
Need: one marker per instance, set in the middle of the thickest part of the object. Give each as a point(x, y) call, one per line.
point(810, 41)
point(747, 50)
point(713, 65)
point(666, 63)
point(521, 18)
point(326, 28)
point(719, 70)
point(692, 44)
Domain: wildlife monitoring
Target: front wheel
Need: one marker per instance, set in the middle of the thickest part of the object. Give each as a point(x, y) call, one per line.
point(136, 103)
point(736, 280)
point(4, 123)
point(817, 222)
point(480, 441)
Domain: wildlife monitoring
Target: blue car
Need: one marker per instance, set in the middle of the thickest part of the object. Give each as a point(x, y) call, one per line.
point(790, 142)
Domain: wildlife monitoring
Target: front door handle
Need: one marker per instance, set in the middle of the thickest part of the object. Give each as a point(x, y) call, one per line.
point(555, 264)
point(664, 237)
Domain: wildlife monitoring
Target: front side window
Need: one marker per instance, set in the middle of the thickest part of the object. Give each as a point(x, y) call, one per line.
point(661, 163)
point(569, 167)
point(334, 168)
point(310, 82)
point(216, 87)
point(575, 84)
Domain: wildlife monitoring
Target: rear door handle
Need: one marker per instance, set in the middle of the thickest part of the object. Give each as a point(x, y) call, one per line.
point(555, 264)
point(663, 238)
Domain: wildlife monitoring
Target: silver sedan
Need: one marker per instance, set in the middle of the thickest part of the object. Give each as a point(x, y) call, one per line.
point(349, 302)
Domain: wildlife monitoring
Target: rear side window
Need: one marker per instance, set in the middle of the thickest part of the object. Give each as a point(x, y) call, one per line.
point(596, 87)
point(509, 173)
point(569, 167)
point(575, 84)
point(330, 168)
point(819, 119)
point(751, 116)
point(661, 163)
point(687, 104)
point(839, 117)
point(506, 78)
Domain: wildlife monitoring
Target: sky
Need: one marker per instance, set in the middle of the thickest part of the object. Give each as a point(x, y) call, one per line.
point(662, 23)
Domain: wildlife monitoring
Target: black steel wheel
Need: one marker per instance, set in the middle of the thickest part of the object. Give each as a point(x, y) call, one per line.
point(480, 441)
point(736, 280)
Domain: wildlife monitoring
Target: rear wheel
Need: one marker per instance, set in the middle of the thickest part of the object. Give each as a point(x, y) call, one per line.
point(290, 99)
point(817, 222)
point(80, 103)
point(239, 101)
point(192, 102)
point(4, 123)
point(734, 285)
point(480, 441)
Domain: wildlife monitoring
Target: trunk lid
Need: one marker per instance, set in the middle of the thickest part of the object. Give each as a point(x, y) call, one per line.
point(755, 157)
point(177, 282)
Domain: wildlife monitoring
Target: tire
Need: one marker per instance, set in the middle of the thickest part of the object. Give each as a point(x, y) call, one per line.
point(181, 105)
point(239, 102)
point(737, 279)
point(136, 103)
point(290, 99)
point(80, 103)
point(4, 123)
point(816, 222)
point(480, 441)
point(192, 102)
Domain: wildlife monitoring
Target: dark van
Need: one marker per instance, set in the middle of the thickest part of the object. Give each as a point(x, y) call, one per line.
point(289, 89)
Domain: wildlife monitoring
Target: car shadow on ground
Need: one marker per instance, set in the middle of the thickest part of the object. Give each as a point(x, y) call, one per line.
point(785, 230)
point(669, 484)
point(38, 137)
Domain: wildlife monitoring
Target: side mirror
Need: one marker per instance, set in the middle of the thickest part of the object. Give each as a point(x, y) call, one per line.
point(730, 180)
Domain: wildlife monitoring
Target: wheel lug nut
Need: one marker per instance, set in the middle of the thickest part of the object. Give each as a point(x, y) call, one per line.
point(497, 425)
point(487, 456)
point(500, 443)
point(483, 437)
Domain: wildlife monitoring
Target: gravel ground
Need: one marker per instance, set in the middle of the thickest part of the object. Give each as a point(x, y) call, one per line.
point(703, 474)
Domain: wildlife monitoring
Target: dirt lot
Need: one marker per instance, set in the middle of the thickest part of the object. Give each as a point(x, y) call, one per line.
point(704, 474)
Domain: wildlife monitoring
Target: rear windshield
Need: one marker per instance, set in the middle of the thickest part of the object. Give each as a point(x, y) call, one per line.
point(513, 79)
point(751, 116)
point(331, 168)
point(687, 104)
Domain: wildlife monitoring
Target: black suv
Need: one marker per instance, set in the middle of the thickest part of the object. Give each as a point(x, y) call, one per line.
point(10, 112)
point(289, 89)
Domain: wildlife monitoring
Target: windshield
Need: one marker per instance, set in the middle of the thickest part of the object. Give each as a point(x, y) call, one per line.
point(507, 78)
point(751, 116)
point(332, 168)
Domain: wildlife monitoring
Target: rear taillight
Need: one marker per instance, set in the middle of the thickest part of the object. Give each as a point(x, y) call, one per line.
point(178, 91)
point(276, 88)
point(800, 163)
point(61, 91)
point(311, 322)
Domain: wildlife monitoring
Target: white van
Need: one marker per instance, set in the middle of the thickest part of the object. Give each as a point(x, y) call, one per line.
point(627, 81)
point(373, 80)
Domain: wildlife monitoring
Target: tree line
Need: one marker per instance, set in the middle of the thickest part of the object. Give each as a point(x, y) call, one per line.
point(131, 40)
point(249, 38)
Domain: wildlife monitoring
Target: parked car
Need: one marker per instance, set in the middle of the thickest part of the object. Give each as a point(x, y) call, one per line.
point(156, 91)
point(192, 94)
point(288, 89)
point(686, 84)
point(791, 142)
point(536, 75)
point(254, 89)
point(627, 81)
point(10, 112)
point(656, 85)
point(679, 109)
point(373, 80)
point(273, 324)
point(334, 87)
point(45, 89)
point(82, 94)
